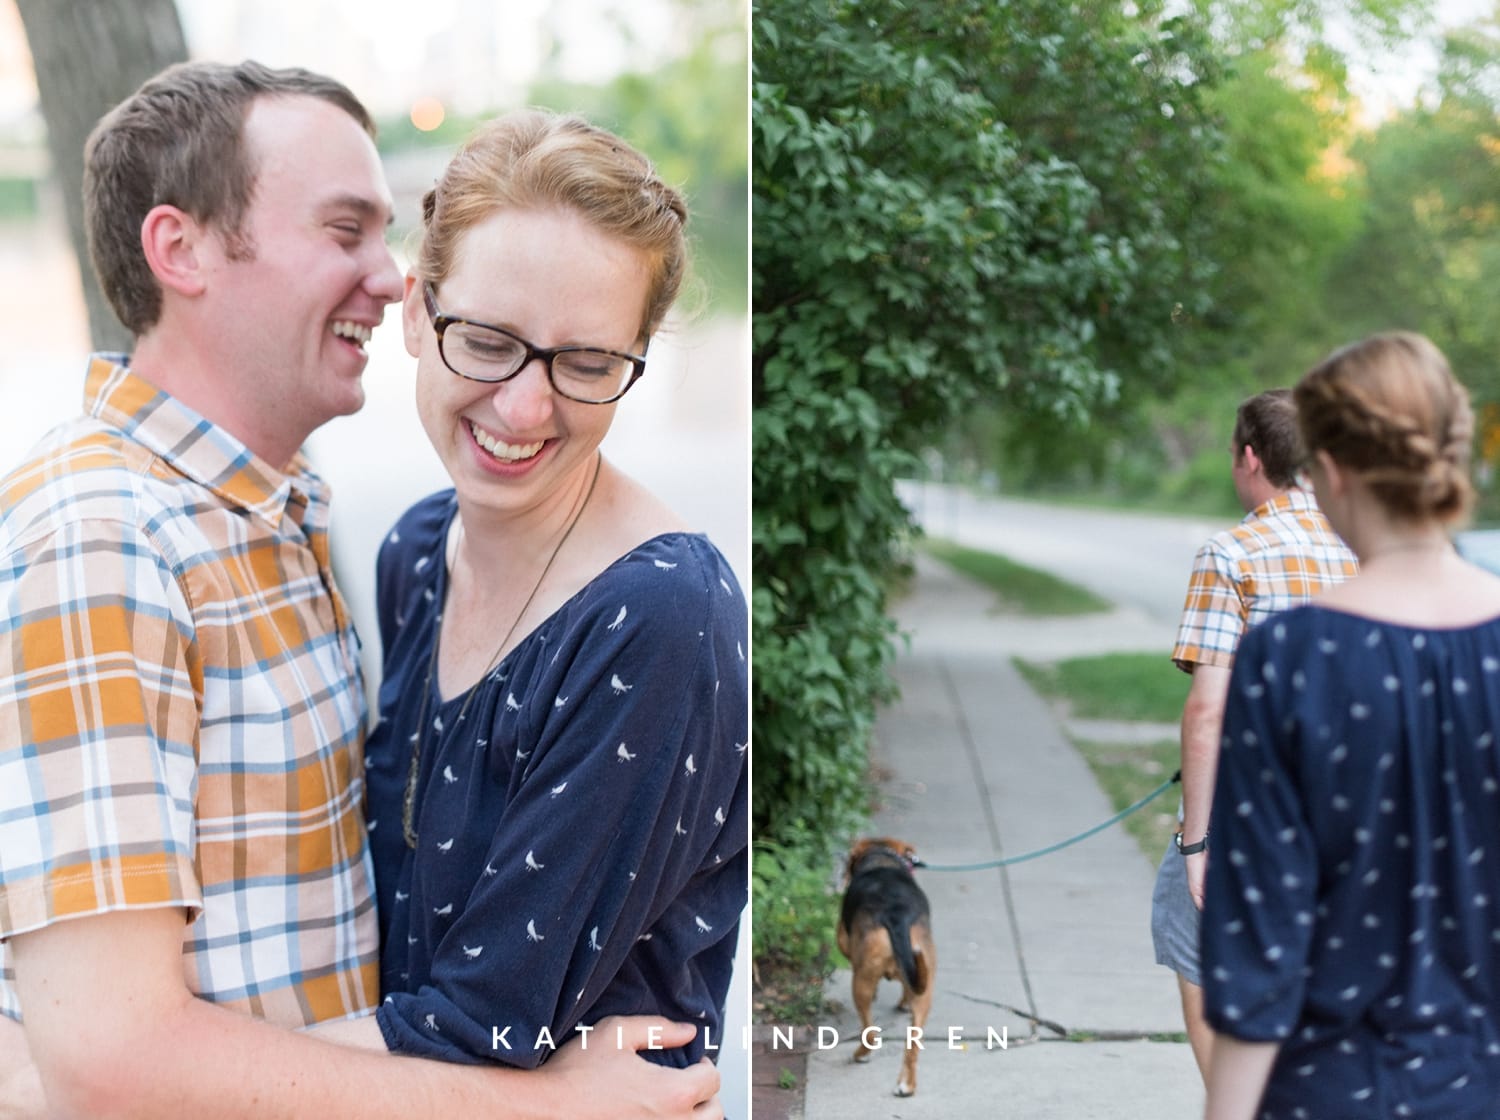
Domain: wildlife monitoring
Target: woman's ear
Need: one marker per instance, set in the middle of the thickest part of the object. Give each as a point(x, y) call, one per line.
point(1333, 475)
point(172, 242)
point(413, 314)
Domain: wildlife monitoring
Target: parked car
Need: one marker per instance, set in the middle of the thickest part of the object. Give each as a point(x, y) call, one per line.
point(1480, 546)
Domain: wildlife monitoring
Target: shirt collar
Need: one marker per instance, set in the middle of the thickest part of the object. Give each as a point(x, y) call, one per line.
point(195, 446)
point(1295, 500)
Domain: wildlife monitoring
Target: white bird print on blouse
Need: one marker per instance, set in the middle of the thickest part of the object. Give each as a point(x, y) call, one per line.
point(444, 911)
point(445, 845)
point(531, 933)
point(488, 870)
point(512, 704)
point(430, 1022)
point(691, 766)
point(395, 537)
point(619, 619)
point(622, 754)
point(402, 896)
point(741, 748)
point(558, 789)
point(664, 565)
point(719, 816)
point(724, 583)
point(422, 562)
point(371, 826)
point(680, 830)
point(448, 775)
point(703, 927)
point(594, 940)
point(472, 954)
point(522, 756)
point(531, 863)
point(559, 702)
point(437, 723)
point(618, 685)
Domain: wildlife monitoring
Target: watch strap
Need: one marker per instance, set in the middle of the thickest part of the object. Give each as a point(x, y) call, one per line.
point(1194, 848)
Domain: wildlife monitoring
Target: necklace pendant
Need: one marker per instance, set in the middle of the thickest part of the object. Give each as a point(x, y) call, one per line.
point(409, 805)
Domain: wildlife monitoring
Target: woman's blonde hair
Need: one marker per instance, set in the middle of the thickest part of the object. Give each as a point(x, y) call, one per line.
point(1389, 409)
point(534, 159)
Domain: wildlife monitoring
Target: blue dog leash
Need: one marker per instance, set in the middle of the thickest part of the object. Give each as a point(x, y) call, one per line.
point(1050, 848)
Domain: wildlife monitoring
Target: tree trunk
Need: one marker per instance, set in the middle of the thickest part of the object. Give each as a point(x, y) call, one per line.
point(89, 56)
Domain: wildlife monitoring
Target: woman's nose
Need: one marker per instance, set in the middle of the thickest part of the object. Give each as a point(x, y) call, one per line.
point(525, 399)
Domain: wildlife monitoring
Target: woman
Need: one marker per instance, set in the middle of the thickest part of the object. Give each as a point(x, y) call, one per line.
point(1354, 872)
point(557, 785)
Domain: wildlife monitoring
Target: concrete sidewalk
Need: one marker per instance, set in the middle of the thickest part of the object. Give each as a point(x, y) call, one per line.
point(973, 767)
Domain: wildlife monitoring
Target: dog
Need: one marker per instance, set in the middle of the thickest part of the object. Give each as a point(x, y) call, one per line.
point(885, 929)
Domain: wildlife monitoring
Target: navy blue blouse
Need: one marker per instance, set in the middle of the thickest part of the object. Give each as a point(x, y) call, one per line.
point(583, 830)
point(1354, 867)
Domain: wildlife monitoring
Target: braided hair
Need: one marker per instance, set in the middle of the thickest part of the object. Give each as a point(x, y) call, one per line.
point(1389, 410)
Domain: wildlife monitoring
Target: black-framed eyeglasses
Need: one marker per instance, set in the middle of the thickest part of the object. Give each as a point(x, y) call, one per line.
point(480, 352)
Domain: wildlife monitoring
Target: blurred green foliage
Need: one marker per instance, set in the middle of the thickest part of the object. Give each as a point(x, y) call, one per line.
point(690, 116)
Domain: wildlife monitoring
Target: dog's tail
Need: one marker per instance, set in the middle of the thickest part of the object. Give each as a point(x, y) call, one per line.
point(914, 965)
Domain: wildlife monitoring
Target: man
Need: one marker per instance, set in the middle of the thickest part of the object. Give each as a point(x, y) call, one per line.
point(1283, 553)
point(182, 730)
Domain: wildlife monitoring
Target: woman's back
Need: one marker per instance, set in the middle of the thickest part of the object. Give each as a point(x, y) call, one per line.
point(1357, 859)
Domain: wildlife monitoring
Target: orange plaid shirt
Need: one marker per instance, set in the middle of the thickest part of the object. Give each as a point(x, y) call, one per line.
point(181, 709)
point(1283, 553)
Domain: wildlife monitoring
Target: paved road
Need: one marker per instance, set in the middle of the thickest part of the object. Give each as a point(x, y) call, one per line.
point(1138, 560)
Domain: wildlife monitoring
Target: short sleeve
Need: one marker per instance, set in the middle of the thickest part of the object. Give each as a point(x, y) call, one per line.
point(1259, 909)
point(99, 714)
point(1213, 612)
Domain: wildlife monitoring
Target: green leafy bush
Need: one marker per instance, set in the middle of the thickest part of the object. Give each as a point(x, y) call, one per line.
point(795, 910)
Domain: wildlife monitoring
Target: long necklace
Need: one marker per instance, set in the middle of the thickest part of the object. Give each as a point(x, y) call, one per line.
point(409, 801)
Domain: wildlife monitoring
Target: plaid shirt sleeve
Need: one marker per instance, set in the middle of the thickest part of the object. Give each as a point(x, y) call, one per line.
point(98, 724)
point(1213, 614)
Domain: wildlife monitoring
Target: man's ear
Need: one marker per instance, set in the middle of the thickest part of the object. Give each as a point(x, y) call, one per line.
point(172, 242)
point(1252, 460)
point(413, 314)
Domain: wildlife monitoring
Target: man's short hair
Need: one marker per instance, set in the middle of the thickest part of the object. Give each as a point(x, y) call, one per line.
point(1268, 423)
point(179, 140)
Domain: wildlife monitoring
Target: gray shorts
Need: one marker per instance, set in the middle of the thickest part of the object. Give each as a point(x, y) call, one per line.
point(1175, 921)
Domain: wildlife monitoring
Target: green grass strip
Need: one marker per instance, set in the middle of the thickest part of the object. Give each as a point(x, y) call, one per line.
point(1145, 687)
point(1019, 588)
point(1127, 687)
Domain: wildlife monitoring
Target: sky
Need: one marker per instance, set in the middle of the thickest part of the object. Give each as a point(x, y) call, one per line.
point(474, 54)
point(1384, 85)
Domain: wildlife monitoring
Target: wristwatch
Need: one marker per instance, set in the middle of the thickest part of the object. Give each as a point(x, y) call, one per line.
point(1191, 849)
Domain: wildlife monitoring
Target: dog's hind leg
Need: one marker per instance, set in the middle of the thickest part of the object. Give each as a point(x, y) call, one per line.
point(920, 1002)
point(865, 983)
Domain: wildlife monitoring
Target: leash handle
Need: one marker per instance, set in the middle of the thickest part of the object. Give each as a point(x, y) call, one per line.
point(1050, 848)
